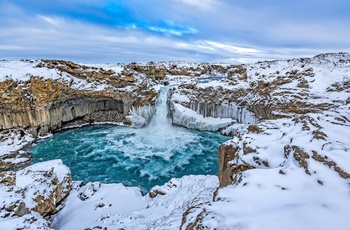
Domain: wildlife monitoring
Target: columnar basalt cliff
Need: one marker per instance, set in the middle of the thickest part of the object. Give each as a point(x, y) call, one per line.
point(64, 93)
point(45, 95)
point(45, 105)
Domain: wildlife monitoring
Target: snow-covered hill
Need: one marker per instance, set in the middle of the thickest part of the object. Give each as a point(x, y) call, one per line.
point(287, 165)
point(290, 170)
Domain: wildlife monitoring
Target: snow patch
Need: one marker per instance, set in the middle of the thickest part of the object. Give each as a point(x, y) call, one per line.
point(190, 119)
point(116, 206)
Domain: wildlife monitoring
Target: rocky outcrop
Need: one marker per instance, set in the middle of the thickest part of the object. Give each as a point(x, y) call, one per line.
point(230, 167)
point(267, 90)
point(73, 94)
point(294, 143)
point(11, 143)
point(44, 105)
point(158, 70)
point(16, 159)
point(37, 189)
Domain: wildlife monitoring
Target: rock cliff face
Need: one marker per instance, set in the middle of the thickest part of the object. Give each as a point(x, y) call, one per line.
point(33, 193)
point(230, 165)
point(47, 95)
point(44, 105)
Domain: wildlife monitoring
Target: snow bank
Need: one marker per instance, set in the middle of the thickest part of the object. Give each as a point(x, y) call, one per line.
point(13, 141)
point(190, 119)
point(289, 201)
point(97, 204)
point(24, 177)
point(300, 178)
point(116, 206)
point(30, 194)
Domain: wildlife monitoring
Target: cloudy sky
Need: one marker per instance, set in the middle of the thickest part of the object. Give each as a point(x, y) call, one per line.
point(106, 31)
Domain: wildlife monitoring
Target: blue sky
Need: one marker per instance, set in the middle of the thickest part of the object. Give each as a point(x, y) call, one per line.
point(236, 31)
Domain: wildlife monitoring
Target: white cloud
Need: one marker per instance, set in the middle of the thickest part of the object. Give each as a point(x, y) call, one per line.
point(231, 48)
point(13, 47)
point(329, 32)
point(216, 47)
point(51, 20)
point(44, 36)
point(173, 29)
point(85, 42)
point(202, 4)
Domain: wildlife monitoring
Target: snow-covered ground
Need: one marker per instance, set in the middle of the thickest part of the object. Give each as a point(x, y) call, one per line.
point(300, 176)
point(299, 180)
point(13, 141)
point(95, 205)
point(29, 194)
point(23, 70)
point(115, 206)
point(266, 199)
point(299, 163)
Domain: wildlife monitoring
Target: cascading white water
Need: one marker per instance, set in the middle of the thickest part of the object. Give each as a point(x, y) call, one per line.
point(136, 157)
point(160, 119)
point(140, 116)
point(159, 138)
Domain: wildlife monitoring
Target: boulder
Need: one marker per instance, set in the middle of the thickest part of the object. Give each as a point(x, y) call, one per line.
point(38, 188)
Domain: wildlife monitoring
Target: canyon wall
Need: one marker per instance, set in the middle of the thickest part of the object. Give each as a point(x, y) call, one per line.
point(52, 94)
point(47, 119)
point(224, 110)
point(45, 95)
point(45, 105)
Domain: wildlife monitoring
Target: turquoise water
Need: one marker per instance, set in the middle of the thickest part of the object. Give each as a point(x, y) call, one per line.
point(135, 157)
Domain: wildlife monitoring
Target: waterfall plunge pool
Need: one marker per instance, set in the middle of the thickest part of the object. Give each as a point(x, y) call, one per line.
point(135, 157)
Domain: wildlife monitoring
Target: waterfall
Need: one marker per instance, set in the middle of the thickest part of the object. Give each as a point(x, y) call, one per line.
point(135, 157)
point(161, 119)
point(157, 116)
point(200, 116)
